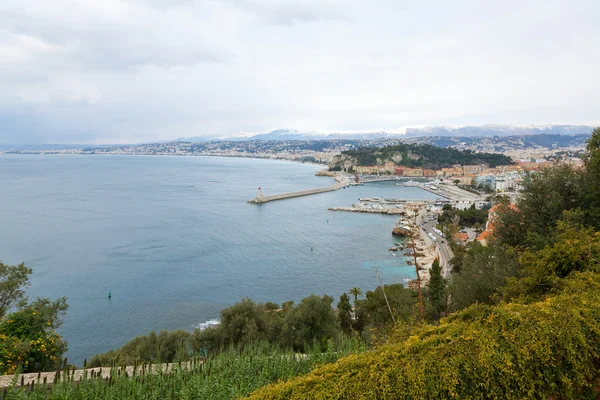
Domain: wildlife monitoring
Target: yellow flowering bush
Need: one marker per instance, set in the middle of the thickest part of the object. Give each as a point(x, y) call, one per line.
point(547, 349)
point(28, 340)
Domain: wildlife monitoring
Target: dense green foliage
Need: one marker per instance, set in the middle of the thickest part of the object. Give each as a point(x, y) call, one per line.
point(313, 321)
point(549, 234)
point(470, 217)
point(167, 346)
point(436, 292)
point(575, 249)
point(292, 326)
point(231, 374)
point(511, 351)
point(402, 302)
point(547, 195)
point(13, 282)
point(544, 260)
point(344, 314)
point(28, 340)
point(424, 155)
point(483, 270)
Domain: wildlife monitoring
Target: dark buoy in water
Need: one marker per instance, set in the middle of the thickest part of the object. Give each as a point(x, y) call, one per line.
point(311, 249)
point(109, 294)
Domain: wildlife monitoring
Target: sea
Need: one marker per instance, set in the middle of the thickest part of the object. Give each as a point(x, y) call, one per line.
point(174, 240)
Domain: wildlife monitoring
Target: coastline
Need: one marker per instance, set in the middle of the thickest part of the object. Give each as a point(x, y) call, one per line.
point(100, 271)
point(163, 155)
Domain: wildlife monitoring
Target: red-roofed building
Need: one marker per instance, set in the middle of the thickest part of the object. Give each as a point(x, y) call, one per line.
point(460, 237)
point(489, 226)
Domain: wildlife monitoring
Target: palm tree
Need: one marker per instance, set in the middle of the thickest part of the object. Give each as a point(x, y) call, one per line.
point(355, 292)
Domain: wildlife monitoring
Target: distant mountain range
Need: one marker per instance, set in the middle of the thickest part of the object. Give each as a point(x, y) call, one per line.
point(292, 134)
point(465, 131)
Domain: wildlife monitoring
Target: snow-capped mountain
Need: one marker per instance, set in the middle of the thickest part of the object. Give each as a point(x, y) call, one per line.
point(499, 130)
point(463, 131)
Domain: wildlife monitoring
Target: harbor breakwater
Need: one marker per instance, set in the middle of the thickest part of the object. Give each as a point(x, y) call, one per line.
point(340, 182)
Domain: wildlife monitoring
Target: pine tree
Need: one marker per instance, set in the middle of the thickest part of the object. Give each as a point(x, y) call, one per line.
point(344, 310)
point(436, 292)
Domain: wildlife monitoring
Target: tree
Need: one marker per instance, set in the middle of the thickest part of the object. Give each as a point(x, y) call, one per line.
point(510, 351)
point(484, 270)
point(436, 292)
point(543, 199)
point(401, 300)
point(344, 314)
point(456, 182)
point(312, 320)
point(591, 160)
point(478, 226)
point(13, 282)
point(164, 347)
point(27, 334)
point(356, 293)
point(543, 271)
point(270, 306)
point(244, 323)
point(29, 338)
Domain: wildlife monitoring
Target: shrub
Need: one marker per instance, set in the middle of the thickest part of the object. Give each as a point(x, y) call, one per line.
point(510, 351)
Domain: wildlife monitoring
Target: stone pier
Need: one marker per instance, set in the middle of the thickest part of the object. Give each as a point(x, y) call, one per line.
point(341, 182)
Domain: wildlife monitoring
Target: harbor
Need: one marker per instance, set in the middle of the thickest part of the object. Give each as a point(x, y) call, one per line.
point(387, 211)
point(446, 194)
point(341, 182)
point(417, 215)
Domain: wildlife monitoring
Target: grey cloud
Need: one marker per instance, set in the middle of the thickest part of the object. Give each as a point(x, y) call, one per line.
point(143, 70)
point(112, 47)
point(295, 11)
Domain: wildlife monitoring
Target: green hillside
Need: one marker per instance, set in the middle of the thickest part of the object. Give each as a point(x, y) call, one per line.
point(511, 351)
point(417, 155)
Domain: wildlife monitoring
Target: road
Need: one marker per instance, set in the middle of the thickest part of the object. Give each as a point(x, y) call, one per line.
point(443, 247)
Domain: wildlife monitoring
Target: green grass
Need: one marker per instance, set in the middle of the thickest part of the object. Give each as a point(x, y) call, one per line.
point(232, 374)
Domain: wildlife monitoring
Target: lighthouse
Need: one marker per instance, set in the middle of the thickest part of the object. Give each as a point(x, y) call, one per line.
point(259, 193)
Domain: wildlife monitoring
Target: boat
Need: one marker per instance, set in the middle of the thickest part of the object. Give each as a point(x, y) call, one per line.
point(372, 199)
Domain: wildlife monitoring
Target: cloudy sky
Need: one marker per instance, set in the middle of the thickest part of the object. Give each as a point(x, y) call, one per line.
point(123, 71)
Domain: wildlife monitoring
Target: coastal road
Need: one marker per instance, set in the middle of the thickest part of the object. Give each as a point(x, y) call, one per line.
point(443, 247)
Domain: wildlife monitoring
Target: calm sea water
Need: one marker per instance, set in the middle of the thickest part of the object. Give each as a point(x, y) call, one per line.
point(174, 240)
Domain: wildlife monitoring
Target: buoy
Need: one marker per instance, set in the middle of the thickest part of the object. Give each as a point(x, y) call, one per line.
point(109, 294)
point(311, 249)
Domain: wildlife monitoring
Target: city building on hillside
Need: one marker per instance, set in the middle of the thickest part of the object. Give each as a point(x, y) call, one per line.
point(412, 172)
point(488, 180)
point(509, 168)
point(509, 182)
point(462, 180)
point(454, 171)
point(429, 173)
point(366, 169)
point(474, 169)
point(387, 168)
point(528, 165)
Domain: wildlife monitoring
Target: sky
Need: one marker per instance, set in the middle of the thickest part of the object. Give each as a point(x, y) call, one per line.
point(129, 71)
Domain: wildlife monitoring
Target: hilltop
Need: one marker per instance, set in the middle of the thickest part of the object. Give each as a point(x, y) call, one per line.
point(415, 155)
